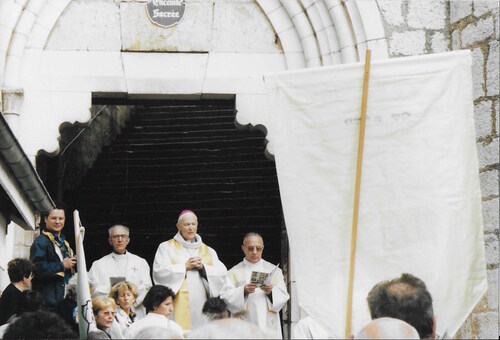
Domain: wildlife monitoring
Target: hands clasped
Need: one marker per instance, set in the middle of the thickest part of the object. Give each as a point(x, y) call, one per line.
point(194, 263)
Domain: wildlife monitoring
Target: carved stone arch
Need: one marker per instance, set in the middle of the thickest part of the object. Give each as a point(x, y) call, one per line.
point(312, 33)
point(30, 25)
point(319, 33)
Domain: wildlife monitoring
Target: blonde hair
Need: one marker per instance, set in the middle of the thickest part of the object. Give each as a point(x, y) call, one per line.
point(99, 303)
point(122, 287)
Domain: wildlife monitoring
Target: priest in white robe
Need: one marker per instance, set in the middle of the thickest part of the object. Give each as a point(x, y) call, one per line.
point(191, 269)
point(257, 303)
point(120, 265)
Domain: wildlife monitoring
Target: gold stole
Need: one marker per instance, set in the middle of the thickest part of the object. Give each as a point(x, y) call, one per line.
point(181, 302)
point(52, 239)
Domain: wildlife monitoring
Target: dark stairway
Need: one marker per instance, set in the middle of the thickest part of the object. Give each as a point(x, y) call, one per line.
point(181, 155)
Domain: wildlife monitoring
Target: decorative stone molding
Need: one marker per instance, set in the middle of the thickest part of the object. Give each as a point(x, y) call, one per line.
point(12, 101)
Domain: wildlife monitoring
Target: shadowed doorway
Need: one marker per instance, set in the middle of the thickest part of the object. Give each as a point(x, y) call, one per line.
point(139, 163)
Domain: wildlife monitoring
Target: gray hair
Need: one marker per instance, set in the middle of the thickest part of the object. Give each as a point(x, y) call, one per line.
point(247, 235)
point(116, 226)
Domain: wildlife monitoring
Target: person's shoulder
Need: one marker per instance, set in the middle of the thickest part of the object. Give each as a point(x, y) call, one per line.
point(102, 259)
point(270, 266)
point(136, 257)
point(175, 326)
point(167, 242)
point(10, 288)
point(236, 267)
point(42, 238)
point(208, 247)
point(41, 241)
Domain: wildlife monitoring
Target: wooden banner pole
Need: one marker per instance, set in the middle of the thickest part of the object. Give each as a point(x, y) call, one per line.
point(354, 230)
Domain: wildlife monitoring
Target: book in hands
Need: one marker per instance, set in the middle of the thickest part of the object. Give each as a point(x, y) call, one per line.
point(262, 278)
point(115, 279)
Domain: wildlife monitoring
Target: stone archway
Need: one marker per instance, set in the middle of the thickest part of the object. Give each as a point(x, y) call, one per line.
point(311, 33)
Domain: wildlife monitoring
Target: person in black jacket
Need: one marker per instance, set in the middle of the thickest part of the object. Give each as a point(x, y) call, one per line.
point(20, 274)
point(53, 259)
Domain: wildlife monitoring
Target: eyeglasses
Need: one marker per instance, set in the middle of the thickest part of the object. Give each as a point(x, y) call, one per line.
point(115, 237)
point(259, 249)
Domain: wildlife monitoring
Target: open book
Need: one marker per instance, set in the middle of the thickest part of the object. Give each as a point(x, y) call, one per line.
point(262, 278)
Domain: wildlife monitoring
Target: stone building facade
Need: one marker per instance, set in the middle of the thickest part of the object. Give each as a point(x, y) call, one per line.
point(56, 54)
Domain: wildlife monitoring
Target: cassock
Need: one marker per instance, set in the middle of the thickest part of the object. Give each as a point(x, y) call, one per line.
point(131, 267)
point(192, 287)
point(257, 307)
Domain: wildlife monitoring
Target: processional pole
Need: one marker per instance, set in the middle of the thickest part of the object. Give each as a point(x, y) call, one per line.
point(354, 230)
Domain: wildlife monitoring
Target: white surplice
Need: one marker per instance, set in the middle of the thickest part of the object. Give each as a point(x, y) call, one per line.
point(169, 269)
point(153, 320)
point(135, 269)
point(256, 307)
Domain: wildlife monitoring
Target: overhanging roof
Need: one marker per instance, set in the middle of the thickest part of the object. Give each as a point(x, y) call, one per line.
point(16, 164)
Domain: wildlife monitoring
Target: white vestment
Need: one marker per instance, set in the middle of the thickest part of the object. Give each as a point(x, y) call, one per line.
point(136, 271)
point(169, 269)
point(153, 320)
point(307, 328)
point(256, 307)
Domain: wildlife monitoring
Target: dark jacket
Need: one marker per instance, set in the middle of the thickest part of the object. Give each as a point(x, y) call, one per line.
point(9, 303)
point(48, 269)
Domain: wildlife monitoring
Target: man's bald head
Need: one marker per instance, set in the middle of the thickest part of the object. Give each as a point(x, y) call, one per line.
point(405, 298)
point(387, 328)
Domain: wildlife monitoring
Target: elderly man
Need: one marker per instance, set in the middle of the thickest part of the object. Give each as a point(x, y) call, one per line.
point(120, 265)
point(405, 298)
point(259, 304)
point(53, 259)
point(191, 268)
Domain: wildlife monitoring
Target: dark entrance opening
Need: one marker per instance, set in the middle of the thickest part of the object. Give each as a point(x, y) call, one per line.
point(139, 163)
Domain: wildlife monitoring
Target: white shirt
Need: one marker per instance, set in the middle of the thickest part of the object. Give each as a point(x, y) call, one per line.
point(153, 320)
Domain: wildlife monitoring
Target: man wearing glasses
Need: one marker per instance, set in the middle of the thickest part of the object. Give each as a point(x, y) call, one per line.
point(255, 289)
point(120, 265)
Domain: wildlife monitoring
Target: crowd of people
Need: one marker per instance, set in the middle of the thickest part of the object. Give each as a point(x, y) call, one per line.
point(191, 293)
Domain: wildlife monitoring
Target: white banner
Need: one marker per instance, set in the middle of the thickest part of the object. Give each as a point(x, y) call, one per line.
point(86, 321)
point(420, 201)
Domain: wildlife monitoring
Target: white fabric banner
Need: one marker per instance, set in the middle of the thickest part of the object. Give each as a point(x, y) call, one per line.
point(85, 316)
point(420, 200)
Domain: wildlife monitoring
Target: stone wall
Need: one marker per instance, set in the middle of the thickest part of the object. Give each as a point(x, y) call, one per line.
point(474, 26)
point(416, 27)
